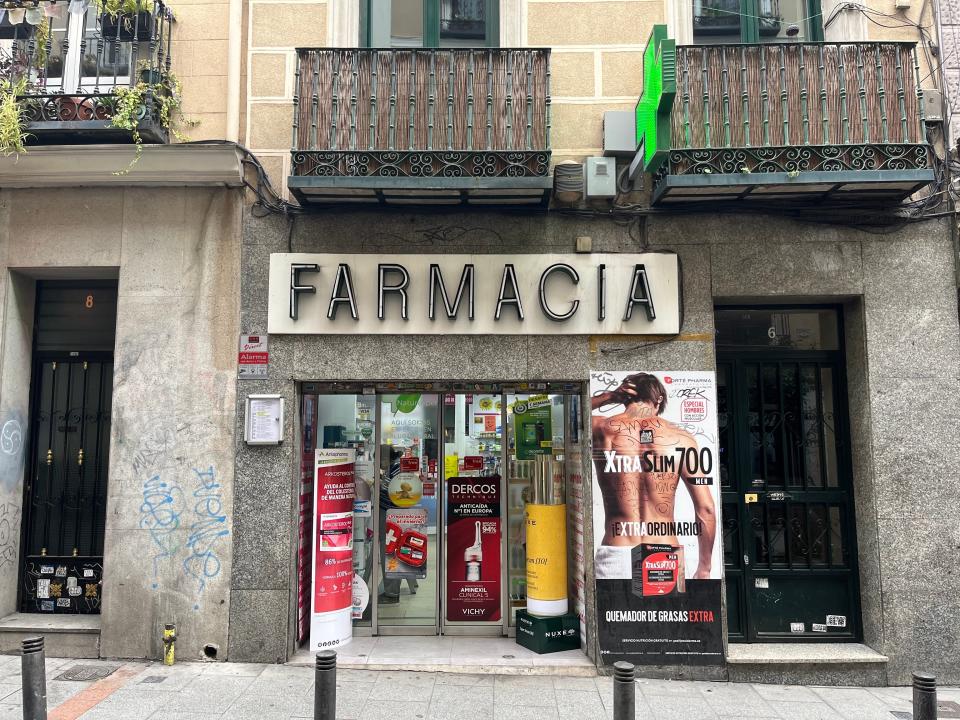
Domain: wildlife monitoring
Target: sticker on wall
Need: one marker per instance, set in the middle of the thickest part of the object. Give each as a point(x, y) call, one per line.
point(46, 569)
point(46, 606)
point(74, 591)
point(797, 627)
point(253, 357)
point(837, 621)
point(361, 597)
point(61, 571)
point(87, 572)
point(817, 627)
point(761, 583)
point(63, 602)
point(43, 588)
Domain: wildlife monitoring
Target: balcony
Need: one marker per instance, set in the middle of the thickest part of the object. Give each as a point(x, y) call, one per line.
point(788, 122)
point(73, 67)
point(421, 126)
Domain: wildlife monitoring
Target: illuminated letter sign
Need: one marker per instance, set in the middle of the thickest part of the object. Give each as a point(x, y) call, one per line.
point(656, 102)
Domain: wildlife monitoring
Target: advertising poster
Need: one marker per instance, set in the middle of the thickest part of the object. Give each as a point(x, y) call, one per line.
point(473, 549)
point(534, 426)
point(656, 517)
point(405, 543)
point(332, 600)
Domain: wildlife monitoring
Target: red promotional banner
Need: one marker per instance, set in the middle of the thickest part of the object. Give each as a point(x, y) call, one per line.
point(334, 492)
point(473, 549)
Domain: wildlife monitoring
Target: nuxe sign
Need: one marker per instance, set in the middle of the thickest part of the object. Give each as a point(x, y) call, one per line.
point(334, 294)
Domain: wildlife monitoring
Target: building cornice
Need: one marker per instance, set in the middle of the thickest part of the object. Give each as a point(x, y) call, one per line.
point(195, 164)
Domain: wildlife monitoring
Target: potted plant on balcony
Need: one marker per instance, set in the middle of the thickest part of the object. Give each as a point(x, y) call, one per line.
point(160, 99)
point(12, 115)
point(126, 20)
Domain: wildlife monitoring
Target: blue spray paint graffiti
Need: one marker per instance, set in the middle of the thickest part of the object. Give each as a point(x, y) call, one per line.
point(11, 450)
point(159, 515)
point(209, 525)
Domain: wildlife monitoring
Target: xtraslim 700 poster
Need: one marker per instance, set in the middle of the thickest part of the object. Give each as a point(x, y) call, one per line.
point(656, 517)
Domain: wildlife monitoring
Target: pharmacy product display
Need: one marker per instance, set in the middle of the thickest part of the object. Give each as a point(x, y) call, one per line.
point(473, 549)
point(546, 525)
point(332, 599)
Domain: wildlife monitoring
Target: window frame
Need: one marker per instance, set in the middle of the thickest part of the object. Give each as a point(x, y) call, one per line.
point(431, 23)
point(750, 28)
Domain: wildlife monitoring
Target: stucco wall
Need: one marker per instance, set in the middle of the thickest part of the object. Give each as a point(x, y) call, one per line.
point(596, 60)
point(903, 351)
point(170, 494)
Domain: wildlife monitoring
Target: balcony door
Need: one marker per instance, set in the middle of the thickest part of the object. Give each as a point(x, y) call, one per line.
point(430, 23)
point(788, 517)
point(755, 21)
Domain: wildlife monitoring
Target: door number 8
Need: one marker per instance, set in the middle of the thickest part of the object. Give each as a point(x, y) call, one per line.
point(88, 303)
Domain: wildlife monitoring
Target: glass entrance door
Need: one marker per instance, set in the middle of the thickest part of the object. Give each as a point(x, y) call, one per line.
point(409, 550)
point(442, 482)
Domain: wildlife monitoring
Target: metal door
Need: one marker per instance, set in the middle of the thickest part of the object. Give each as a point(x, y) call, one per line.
point(788, 515)
point(66, 490)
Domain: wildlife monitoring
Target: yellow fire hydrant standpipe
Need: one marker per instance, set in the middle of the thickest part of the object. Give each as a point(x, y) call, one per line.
point(169, 638)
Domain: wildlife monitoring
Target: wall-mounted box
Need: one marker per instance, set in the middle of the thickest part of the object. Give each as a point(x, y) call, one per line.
point(601, 178)
point(932, 105)
point(263, 423)
point(619, 133)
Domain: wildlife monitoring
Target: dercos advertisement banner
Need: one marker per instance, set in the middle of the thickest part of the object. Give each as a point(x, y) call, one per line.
point(332, 599)
point(473, 549)
point(656, 511)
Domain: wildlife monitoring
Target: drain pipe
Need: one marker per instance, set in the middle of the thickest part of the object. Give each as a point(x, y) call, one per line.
point(169, 640)
point(34, 678)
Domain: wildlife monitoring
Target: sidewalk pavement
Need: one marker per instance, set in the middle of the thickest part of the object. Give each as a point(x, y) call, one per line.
point(208, 691)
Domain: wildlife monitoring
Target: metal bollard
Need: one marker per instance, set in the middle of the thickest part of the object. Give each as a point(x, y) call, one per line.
point(34, 676)
point(325, 686)
point(624, 691)
point(924, 696)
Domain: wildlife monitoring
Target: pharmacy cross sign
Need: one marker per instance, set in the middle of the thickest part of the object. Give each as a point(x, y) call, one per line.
point(656, 102)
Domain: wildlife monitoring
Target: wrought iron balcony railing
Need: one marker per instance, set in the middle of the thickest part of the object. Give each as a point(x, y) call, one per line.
point(73, 61)
point(797, 109)
point(459, 120)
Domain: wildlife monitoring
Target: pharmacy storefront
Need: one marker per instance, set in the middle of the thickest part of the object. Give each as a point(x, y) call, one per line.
point(468, 496)
point(573, 452)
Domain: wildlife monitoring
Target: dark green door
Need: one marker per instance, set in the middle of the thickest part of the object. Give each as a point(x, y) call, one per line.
point(788, 514)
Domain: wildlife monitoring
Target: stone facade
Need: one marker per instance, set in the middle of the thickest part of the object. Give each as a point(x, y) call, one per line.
point(902, 346)
point(175, 254)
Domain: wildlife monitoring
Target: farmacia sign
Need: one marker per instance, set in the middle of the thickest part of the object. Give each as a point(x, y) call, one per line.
point(327, 294)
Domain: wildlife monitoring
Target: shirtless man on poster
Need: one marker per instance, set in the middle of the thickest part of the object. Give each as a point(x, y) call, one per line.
point(637, 458)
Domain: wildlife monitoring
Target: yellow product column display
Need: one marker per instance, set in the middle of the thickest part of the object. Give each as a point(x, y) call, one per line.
point(546, 559)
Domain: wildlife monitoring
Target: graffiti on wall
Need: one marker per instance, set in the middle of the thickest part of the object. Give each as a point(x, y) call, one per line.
point(207, 527)
point(11, 449)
